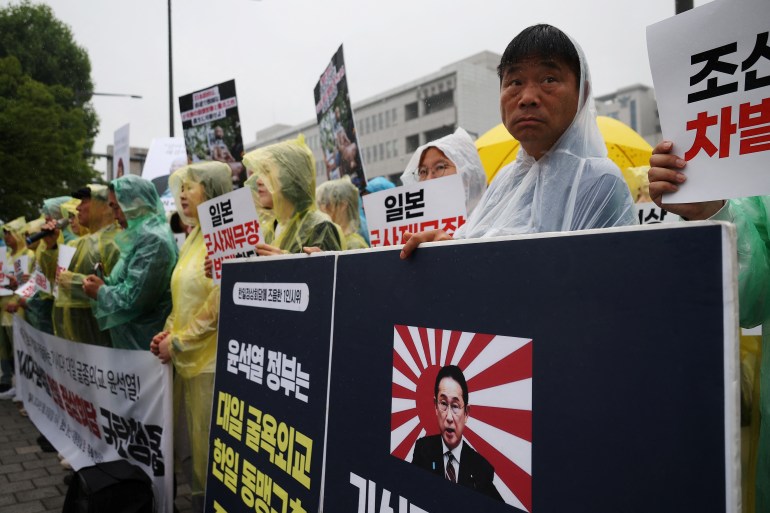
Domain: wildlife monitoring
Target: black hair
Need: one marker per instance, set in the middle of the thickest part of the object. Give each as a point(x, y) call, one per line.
point(453, 372)
point(544, 42)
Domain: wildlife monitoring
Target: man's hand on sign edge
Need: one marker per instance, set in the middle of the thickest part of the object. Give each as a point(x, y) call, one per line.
point(268, 250)
point(208, 267)
point(412, 240)
point(164, 349)
point(666, 176)
point(156, 340)
point(311, 249)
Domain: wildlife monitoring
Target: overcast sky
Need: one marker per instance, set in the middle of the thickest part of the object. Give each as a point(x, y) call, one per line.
point(276, 49)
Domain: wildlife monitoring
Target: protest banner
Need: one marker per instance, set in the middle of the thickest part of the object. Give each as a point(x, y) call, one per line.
point(336, 126)
point(27, 290)
point(66, 253)
point(211, 125)
point(97, 404)
point(569, 383)
point(121, 152)
point(230, 227)
point(431, 205)
point(164, 154)
point(267, 419)
point(21, 266)
point(650, 213)
point(711, 70)
point(6, 266)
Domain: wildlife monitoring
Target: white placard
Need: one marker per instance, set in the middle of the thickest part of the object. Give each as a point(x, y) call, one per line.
point(6, 266)
point(230, 228)
point(121, 153)
point(21, 267)
point(62, 264)
point(164, 153)
point(431, 205)
point(98, 404)
point(27, 290)
point(650, 213)
point(711, 71)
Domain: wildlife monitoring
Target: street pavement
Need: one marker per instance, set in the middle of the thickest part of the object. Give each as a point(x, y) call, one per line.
point(31, 480)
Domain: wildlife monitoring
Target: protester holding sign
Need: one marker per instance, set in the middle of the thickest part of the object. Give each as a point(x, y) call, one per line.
point(452, 154)
point(284, 178)
point(95, 252)
point(189, 338)
point(13, 234)
point(752, 219)
point(561, 179)
point(339, 200)
point(135, 300)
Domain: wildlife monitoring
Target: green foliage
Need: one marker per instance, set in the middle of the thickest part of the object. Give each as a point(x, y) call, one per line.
point(42, 143)
point(47, 124)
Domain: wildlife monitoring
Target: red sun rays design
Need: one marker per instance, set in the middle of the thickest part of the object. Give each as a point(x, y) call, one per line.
point(488, 361)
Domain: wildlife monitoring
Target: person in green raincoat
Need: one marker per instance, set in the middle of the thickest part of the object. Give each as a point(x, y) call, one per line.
point(284, 179)
point(189, 337)
point(339, 200)
point(134, 301)
point(73, 318)
point(751, 217)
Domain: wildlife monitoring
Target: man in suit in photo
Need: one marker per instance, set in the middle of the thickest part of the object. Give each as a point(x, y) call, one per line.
point(447, 454)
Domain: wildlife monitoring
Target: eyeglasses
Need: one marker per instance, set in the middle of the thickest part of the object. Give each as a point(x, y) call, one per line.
point(437, 171)
point(456, 408)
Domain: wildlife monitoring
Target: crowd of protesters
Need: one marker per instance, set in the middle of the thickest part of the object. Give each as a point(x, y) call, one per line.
point(128, 285)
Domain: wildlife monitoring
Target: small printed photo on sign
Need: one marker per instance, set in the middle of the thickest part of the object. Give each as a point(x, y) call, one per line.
point(468, 394)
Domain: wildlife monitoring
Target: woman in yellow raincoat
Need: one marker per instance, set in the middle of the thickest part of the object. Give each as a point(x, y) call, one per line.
point(284, 179)
point(339, 200)
point(189, 338)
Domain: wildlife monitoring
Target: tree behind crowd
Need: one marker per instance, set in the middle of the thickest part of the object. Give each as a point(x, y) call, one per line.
point(47, 124)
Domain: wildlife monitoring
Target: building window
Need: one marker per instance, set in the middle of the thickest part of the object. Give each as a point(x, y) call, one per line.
point(411, 111)
point(367, 155)
point(437, 133)
point(632, 107)
point(412, 143)
point(387, 119)
point(439, 102)
point(387, 149)
point(393, 115)
point(379, 121)
point(395, 148)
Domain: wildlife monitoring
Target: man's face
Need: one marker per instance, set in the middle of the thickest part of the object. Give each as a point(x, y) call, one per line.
point(84, 209)
point(452, 421)
point(538, 101)
point(117, 211)
point(219, 133)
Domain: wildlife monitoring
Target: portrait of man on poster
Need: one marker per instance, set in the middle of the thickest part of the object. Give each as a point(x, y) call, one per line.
point(447, 454)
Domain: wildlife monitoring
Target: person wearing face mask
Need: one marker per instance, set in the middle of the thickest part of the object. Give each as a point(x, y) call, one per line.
point(189, 337)
point(284, 180)
point(452, 154)
point(561, 179)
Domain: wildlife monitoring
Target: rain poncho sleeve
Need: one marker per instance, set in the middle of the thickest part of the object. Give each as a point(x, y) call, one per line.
point(288, 172)
point(459, 148)
point(136, 297)
point(574, 186)
point(752, 219)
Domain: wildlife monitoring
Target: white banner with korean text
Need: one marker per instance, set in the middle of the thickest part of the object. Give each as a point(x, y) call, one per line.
point(711, 70)
point(431, 205)
point(230, 228)
point(97, 404)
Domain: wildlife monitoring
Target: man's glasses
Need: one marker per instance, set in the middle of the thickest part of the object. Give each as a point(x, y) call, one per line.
point(456, 408)
point(437, 171)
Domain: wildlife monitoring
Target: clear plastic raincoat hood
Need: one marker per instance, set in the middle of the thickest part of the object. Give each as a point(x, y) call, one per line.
point(574, 186)
point(459, 148)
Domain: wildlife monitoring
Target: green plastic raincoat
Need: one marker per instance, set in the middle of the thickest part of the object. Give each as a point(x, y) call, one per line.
point(752, 219)
point(288, 172)
point(73, 318)
point(136, 298)
point(194, 317)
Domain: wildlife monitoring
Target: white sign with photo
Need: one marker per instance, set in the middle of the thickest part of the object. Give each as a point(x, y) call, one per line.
point(121, 153)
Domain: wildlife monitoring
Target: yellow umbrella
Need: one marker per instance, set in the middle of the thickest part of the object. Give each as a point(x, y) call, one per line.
point(624, 146)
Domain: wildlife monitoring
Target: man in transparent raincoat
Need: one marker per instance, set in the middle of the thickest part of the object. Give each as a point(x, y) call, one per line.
point(134, 301)
point(561, 179)
point(97, 253)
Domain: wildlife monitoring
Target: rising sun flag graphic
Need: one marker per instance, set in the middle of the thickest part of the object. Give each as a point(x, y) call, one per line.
point(498, 370)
